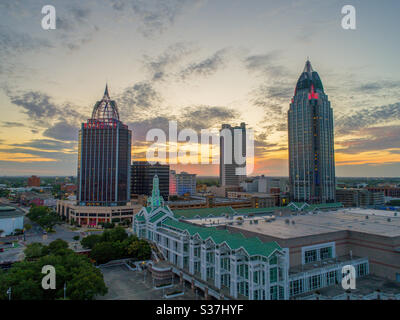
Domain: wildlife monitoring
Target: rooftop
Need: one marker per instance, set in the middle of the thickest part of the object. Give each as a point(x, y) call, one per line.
point(364, 286)
point(253, 246)
point(379, 222)
point(9, 212)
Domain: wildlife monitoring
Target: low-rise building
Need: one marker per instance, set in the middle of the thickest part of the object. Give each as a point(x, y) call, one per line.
point(94, 215)
point(11, 219)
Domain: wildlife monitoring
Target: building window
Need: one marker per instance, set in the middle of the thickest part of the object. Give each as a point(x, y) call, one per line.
point(273, 275)
point(331, 278)
point(361, 270)
point(314, 282)
point(296, 287)
point(310, 256)
point(326, 253)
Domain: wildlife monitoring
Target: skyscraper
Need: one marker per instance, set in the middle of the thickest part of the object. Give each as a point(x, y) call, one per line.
point(104, 157)
point(228, 167)
point(311, 149)
point(142, 175)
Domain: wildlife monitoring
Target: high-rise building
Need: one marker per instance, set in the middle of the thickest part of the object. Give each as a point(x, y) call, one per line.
point(311, 149)
point(229, 170)
point(104, 157)
point(142, 175)
point(185, 183)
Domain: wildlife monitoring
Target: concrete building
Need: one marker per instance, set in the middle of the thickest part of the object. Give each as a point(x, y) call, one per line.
point(352, 197)
point(312, 242)
point(185, 183)
point(311, 144)
point(224, 264)
point(92, 216)
point(10, 220)
point(231, 170)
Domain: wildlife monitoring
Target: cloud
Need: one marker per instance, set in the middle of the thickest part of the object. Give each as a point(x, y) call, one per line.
point(139, 101)
point(372, 139)
point(160, 65)
point(377, 86)
point(11, 124)
point(46, 144)
point(367, 117)
point(62, 130)
point(207, 66)
point(204, 117)
point(261, 61)
point(154, 16)
point(40, 108)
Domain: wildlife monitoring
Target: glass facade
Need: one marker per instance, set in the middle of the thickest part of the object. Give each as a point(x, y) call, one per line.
point(311, 144)
point(104, 156)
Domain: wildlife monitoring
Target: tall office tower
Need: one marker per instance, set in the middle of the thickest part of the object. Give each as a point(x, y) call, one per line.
point(228, 173)
point(142, 175)
point(104, 157)
point(311, 150)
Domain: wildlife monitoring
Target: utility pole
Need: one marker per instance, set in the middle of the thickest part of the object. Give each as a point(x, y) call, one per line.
point(65, 290)
point(9, 293)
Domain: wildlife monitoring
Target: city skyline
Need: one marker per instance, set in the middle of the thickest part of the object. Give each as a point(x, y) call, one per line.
point(192, 62)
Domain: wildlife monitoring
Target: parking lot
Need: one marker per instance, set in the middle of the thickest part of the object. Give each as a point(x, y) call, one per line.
point(124, 284)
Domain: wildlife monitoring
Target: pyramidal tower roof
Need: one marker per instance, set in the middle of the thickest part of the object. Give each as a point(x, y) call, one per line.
point(309, 80)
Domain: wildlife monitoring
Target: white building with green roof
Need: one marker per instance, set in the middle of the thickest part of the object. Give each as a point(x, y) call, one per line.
point(226, 264)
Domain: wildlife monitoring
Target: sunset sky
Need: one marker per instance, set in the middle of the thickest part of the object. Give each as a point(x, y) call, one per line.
point(201, 63)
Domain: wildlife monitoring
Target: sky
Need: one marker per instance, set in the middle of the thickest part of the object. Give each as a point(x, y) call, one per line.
point(201, 63)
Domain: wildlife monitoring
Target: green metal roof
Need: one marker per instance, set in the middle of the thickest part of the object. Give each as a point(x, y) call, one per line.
point(203, 212)
point(253, 246)
point(245, 211)
point(157, 216)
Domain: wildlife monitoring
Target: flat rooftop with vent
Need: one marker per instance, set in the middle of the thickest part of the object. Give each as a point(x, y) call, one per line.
point(370, 221)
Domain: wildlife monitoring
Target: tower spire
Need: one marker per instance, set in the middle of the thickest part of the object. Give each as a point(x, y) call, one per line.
point(106, 94)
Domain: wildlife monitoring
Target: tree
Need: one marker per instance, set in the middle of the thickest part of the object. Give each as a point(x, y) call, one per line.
point(84, 281)
point(89, 242)
point(117, 234)
point(34, 251)
point(76, 238)
point(28, 227)
point(103, 252)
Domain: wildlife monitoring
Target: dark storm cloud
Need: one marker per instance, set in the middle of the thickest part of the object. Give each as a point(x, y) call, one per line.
point(367, 117)
point(154, 16)
point(207, 66)
point(372, 139)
